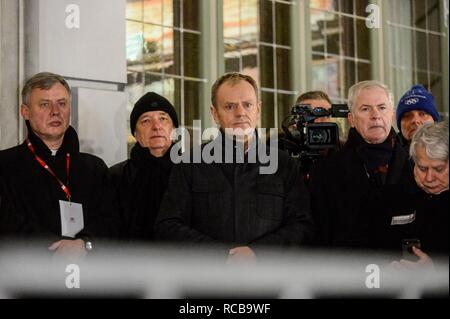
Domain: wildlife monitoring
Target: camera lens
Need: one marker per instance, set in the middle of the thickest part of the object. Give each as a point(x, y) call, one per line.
point(319, 137)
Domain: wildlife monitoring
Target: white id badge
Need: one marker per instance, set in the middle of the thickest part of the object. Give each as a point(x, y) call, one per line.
point(72, 221)
point(403, 219)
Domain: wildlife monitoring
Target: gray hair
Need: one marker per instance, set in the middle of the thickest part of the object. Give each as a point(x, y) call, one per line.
point(44, 81)
point(433, 138)
point(356, 89)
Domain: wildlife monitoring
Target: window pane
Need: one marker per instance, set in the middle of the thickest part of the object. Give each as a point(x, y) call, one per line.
point(191, 10)
point(360, 8)
point(419, 13)
point(317, 31)
point(191, 55)
point(232, 56)
point(134, 88)
point(134, 10)
point(346, 6)
point(267, 110)
point(134, 43)
point(232, 64)
point(266, 65)
point(364, 72)
point(152, 48)
point(332, 84)
point(266, 26)
point(348, 36)
point(326, 75)
point(332, 5)
point(250, 60)
point(332, 31)
point(319, 73)
point(192, 101)
point(153, 83)
point(153, 11)
point(231, 19)
point(284, 69)
point(249, 20)
point(283, 28)
point(434, 18)
point(364, 36)
point(349, 74)
point(421, 50)
point(435, 53)
point(436, 87)
point(171, 13)
point(285, 103)
point(171, 51)
point(172, 92)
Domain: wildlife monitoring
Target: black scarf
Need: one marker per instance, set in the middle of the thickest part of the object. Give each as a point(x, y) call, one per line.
point(375, 157)
point(148, 185)
point(143, 159)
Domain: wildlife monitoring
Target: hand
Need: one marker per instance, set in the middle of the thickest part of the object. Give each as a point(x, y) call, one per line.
point(71, 250)
point(239, 255)
point(424, 262)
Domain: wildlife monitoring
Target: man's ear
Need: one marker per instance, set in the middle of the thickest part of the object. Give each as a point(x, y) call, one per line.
point(25, 111)
point(350, 119)
point(259, 110)
point(214, 114)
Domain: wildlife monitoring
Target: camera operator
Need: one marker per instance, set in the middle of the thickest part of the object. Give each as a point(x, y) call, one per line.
point(370, 158)
point(316, 99)
point(309, 133)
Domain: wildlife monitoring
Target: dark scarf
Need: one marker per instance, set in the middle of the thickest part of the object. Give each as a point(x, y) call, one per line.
point(143, 159)
point(375, 157)
point(148, 185)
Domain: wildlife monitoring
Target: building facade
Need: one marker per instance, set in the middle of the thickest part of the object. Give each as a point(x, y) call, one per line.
point(114, 51)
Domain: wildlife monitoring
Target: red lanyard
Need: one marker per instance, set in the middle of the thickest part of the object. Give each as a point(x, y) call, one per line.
point(41, 162)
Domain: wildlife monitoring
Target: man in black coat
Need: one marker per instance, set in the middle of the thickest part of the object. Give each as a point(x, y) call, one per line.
point(228, 201)
point(44, 178)
point(371, 157)
point(139, 183)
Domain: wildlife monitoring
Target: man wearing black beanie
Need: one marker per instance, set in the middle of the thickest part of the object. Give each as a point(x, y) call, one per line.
point(139, 183)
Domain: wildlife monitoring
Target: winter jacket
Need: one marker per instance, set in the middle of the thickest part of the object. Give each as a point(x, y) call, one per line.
point(399, 212)
point(232, 204)
point(30, 209)
point(340, 184)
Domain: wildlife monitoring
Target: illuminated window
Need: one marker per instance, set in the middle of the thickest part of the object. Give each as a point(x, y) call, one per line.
point(257, 41)
point(164, 54)
point(341, 46)
point(416, 46)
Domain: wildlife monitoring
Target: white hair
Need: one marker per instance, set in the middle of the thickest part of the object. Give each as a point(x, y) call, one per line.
point(433, 138)
point(356, 89)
